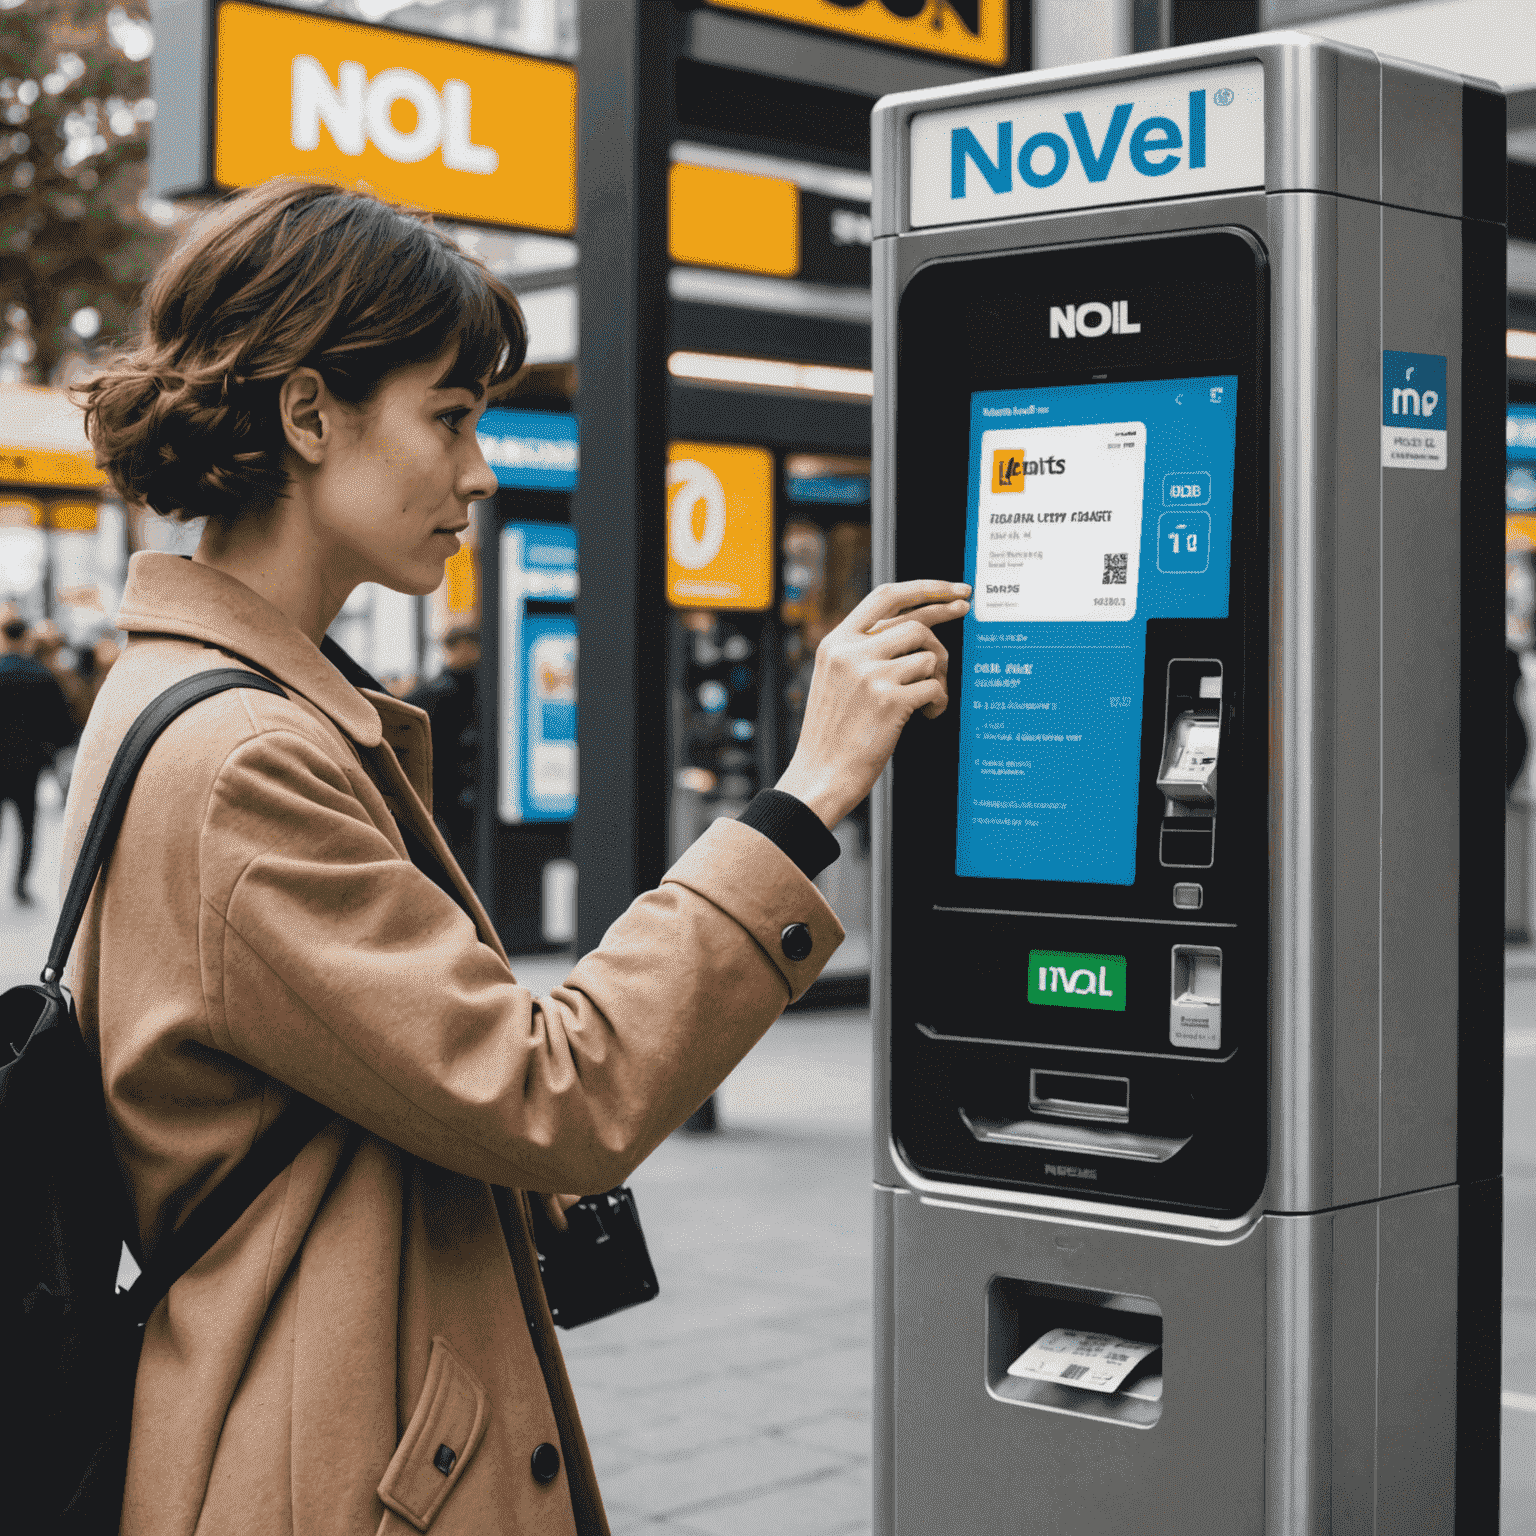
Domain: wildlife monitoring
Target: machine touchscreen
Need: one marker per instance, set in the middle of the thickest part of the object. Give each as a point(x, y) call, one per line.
point(1092, 508)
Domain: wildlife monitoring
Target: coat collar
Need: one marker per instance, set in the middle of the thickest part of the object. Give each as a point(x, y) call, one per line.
point(169, 595)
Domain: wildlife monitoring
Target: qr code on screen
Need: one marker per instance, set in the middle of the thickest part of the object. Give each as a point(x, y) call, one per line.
point(1114, 570)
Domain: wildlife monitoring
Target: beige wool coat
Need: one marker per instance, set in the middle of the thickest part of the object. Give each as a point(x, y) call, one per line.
point(260, 931)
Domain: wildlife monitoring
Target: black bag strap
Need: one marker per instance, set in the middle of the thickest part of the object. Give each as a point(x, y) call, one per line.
point(112, 803)
point(286, 1137)
point(282, 1141)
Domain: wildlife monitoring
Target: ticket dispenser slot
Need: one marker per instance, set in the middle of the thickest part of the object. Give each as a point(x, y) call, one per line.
point(1021, 1313)
point(1187, 773)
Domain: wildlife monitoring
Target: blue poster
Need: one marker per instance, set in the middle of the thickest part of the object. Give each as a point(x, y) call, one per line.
point(1092, 508)
point(537, 726)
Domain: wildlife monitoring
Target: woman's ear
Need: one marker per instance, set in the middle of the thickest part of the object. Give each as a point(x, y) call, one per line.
point(307, 411)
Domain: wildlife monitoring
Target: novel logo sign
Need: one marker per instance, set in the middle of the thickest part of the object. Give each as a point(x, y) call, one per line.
point(1415, 432)
point(1066, 979)
point(1170, 136)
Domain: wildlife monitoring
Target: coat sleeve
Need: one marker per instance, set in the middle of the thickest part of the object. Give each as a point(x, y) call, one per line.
point(338, 968)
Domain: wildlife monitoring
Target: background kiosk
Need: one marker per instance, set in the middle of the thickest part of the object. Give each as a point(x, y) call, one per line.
point(1189, 969)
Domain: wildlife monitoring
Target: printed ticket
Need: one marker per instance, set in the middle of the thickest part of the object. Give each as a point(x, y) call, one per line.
point(1098, 1362)
point(1059, 527)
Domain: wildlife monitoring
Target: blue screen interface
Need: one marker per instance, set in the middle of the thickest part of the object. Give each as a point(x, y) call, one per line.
point(1093, 508)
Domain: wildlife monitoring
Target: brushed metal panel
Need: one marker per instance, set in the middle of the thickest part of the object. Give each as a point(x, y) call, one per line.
point(1349, 1383)
point(1421, 149)
point(1358, 81)
point(1421, 683)
point(883, 1398)
point(1416, 1401)
point(966, 1461)
point(1301, 231)
point(1351, 843)
point(886, 293)
point(1298, 1316)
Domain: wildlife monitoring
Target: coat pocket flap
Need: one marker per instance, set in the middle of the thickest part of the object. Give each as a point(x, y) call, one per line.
point(447, 1426)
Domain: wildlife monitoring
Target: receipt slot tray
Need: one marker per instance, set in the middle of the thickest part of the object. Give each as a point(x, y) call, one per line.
point(1186, 983)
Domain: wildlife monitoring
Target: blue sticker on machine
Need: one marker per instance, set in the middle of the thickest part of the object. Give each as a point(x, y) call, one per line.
point(1071, 554)
point(1415, 419)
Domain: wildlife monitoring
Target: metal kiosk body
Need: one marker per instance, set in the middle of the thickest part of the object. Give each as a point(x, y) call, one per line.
point(1188, 1152)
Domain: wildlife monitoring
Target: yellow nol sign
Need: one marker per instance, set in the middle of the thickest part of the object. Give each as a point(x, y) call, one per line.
point(469, 133)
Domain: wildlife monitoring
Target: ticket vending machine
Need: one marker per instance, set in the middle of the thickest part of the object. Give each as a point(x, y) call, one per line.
point(1188, 983)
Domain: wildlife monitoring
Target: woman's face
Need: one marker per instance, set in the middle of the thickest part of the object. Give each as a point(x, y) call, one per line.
point(392, 494)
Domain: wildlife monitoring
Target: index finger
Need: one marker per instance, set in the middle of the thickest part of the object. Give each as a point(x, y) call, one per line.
point(892, 598)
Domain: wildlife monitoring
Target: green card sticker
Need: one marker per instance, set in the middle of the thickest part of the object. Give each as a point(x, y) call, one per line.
point(1063, 979)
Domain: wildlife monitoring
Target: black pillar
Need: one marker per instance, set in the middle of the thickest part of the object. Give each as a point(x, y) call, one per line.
point(619, 509)
point(488, 696)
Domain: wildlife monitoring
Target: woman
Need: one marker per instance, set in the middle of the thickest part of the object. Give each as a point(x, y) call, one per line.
point(369, 1348)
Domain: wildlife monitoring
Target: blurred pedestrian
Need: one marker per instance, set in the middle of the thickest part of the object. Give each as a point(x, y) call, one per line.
point(34, 723)
point(371, 1345)
point(451, 700)
point(92, 666)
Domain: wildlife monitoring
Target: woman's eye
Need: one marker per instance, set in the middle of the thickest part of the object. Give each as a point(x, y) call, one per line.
point(453, 420)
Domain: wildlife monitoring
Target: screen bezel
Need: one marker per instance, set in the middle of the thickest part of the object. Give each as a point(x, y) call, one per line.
point(926, 760)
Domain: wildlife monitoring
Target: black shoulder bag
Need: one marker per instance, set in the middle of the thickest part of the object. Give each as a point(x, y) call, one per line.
point(69, 1338)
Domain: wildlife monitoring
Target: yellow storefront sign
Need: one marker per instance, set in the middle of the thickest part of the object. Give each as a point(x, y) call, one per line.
point(959, 29)
point(731, 219)
point(48, 466)
point(719, 526)
point(470, 133)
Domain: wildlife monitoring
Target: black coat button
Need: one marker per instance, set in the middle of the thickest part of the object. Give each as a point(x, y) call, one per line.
point(546, 1463)
point(797, 942)
point(445, 1458)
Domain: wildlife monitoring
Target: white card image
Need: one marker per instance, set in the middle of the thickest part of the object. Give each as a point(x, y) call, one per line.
point(1059, 522)
point(1097, 1362)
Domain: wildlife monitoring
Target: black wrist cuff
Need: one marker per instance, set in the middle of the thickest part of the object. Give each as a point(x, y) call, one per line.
point(794, 828)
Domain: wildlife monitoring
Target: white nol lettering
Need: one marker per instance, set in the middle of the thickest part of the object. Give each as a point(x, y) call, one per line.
point(1094, 319)
point(339, 107)
point(1104, 983)
point(1088, 976)
point(356, 110)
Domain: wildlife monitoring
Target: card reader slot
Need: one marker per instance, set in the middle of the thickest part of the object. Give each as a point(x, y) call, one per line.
point(1080, 1096)
point(1046, 1137)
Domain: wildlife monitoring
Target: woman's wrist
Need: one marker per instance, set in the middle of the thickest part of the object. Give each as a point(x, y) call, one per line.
point(815, 793)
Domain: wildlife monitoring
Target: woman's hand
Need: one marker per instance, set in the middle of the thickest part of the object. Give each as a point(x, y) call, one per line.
point(873, 672)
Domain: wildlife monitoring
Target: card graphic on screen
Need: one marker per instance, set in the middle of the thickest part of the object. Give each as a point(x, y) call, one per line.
point(1059, 535)
point(1093, 508)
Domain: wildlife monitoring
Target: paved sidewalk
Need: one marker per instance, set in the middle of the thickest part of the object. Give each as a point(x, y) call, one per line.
point(737, 1403)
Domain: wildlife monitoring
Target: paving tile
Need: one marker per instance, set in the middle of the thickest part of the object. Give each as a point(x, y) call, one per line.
point(845, 1432)
point(726, 1472)
point(837, 1503)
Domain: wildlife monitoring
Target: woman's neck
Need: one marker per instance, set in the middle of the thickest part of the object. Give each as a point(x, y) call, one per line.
point(276, 555)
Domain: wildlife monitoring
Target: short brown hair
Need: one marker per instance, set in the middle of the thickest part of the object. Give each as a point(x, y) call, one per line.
point(288, 275)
